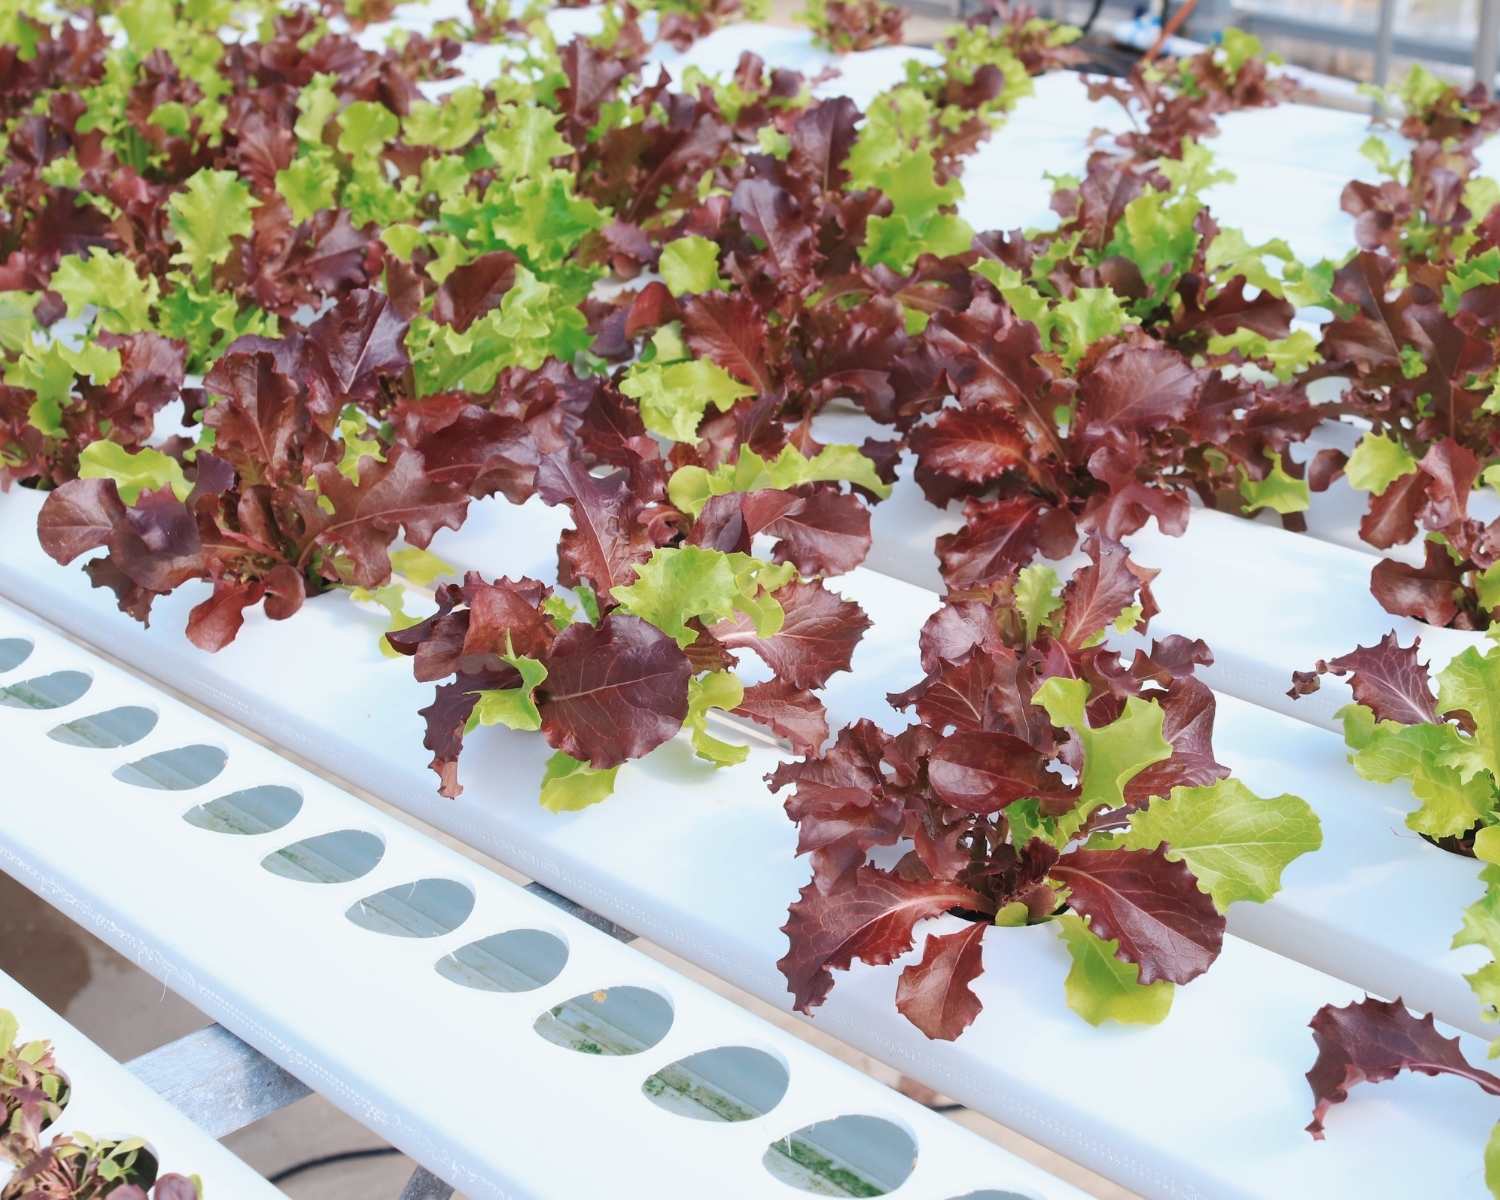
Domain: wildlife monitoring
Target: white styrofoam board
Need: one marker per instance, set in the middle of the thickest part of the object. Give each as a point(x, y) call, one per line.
point(106, 1101)
point(702, 862)
point(453, 1076)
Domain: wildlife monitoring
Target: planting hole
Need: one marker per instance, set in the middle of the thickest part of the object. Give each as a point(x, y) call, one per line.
point(328, 858)
point(731, 1083)
point(992, 1194)
point(519, 960)
point(46, 691)
point(13, 652)
point(426, 908)
point(618, 1020)
point(174, 770)
point(845, 1156)
point(140, 1166)
point(107, 730)
point(253, 810)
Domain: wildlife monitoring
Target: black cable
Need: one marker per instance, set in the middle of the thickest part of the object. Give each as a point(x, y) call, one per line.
point(330, 1160)
point(1092, 17)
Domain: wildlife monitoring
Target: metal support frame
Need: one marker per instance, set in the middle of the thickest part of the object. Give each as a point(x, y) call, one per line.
point(1457, 53)
point(1385, 41)
point(217, 1081)
point(587, 915)
point(1487, 44)
point(1213, 15)
point(424, 1185)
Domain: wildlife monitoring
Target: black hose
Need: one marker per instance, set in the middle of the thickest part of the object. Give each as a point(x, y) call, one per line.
point(331, 1160)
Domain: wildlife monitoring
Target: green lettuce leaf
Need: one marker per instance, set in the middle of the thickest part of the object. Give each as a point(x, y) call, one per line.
point(674, 396)
point(212, 209)
point(1278, 491)
point(1235, 842)
point(569, 785)
point(1113, 754)
point(691, 265)
point(680, 583)
point(110, 283)
point(716, 689)
point(690, 487)
point(1103, 987)
point(1377, 462)
point(133, 471)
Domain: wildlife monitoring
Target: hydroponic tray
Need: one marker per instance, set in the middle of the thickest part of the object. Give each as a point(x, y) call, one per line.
point(702, 863)
point(402, 981)
point(106, 1102)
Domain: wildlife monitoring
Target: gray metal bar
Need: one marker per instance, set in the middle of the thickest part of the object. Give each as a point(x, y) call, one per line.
point(1487, 44)
point(424, 1185)
point(217, 1081)
point(1408, 45)
point(1385, 41)
point(587, 915)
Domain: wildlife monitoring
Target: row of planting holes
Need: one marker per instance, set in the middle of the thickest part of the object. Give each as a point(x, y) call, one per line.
point(844, 1156)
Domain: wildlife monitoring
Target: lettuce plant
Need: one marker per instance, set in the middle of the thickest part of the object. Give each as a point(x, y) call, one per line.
point(281, 496)
point(1110, 368)
point(1046, 781)
point(1414, 336)
point(1168, 102)
point(1443, 742)
point(666, 598)
point(847, 25)
point(69, 1166)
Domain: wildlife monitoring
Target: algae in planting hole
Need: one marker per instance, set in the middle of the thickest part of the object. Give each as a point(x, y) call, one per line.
point(714, 1103)
point(824, 1170)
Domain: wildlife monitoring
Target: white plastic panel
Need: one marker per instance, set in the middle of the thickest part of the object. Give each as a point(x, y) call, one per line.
point(702, 862)
point(329, 965)
point(106, 1101)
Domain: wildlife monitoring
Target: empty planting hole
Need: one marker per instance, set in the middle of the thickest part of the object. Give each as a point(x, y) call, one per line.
point(328, 858)
point(426, 908)
point(619, 1020)
point(174, 770)
point(13, 652)
point(730, 1083)
point(250, 811)
point(108, 730)
point(992, 1194)
point(518, 960)
point(844, 1156)
point(46, 691)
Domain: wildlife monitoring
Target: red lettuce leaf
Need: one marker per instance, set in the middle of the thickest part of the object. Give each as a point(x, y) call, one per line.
point(936, 994)
point(1371, 1041)
point(871, 919)
point(1165, 924)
